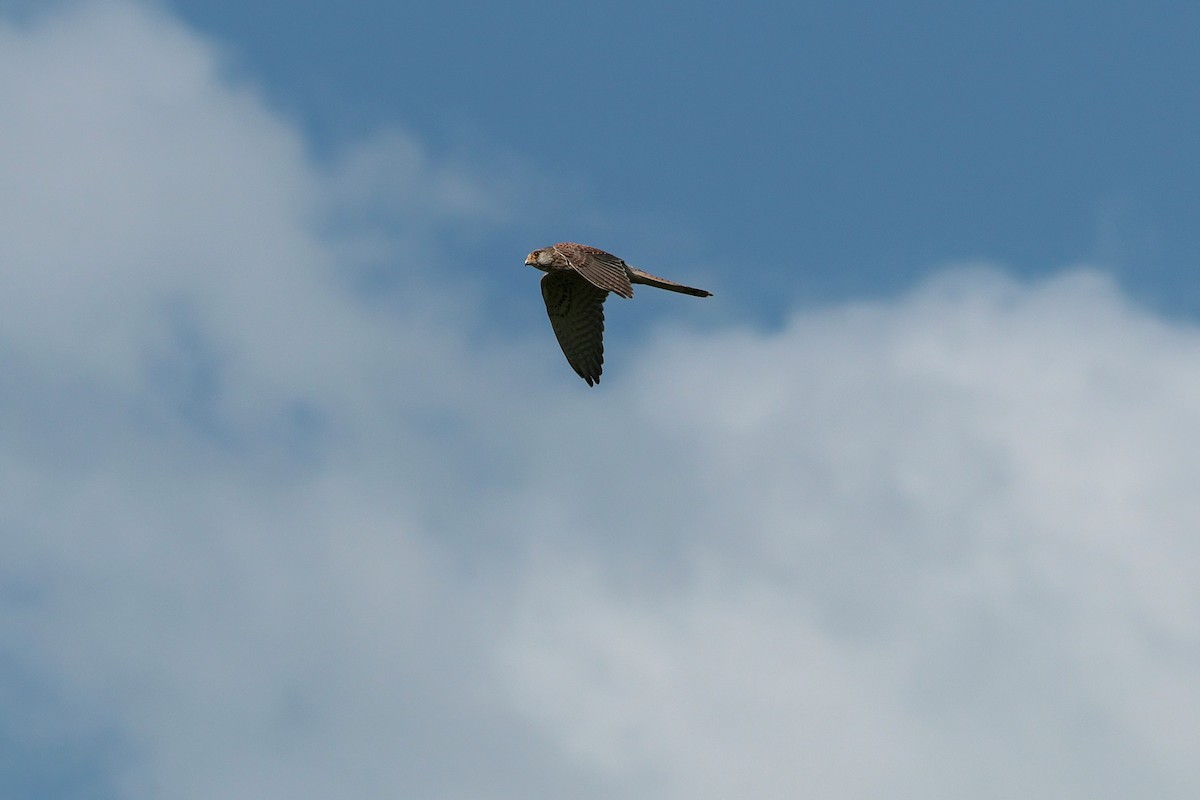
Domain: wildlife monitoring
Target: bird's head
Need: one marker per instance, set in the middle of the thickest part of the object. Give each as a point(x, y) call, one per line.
point(540, 259)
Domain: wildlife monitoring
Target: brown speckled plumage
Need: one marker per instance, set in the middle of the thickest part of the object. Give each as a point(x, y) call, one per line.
point(577, 281)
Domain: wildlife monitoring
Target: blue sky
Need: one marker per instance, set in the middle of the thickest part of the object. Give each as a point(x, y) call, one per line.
point(876, 139)
point(299, 499)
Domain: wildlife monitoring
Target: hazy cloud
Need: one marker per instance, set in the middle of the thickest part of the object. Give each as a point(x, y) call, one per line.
point(264, 534)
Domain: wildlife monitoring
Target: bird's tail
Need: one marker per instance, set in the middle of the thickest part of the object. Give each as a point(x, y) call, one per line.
point(638, 276)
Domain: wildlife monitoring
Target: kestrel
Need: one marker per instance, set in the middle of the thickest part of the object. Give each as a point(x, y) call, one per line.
point(578, 279)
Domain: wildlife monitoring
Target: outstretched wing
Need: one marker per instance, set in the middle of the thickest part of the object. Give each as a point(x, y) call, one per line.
point(576, 310)
point(601, 269)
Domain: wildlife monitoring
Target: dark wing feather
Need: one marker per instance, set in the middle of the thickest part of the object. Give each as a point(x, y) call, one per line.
point(601, 269)
point(576, 310)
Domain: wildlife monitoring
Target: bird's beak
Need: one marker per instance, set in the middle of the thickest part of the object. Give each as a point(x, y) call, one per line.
point(529, 260)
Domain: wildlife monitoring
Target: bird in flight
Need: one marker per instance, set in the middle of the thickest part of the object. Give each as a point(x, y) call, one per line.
point(578, 278)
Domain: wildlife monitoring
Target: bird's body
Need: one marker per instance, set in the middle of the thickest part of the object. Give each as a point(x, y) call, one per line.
point(577, 281)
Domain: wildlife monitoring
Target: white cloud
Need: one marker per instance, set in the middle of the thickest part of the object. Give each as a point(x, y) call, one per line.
point(934, 547)
point(273, 538)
